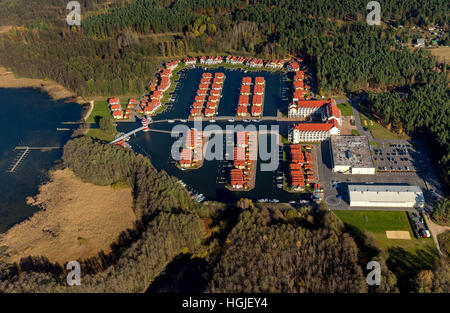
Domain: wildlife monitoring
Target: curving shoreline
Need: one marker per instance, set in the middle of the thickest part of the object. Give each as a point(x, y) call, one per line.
point(56, 91)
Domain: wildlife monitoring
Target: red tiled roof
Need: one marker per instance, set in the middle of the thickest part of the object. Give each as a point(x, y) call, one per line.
point(259, 89)
point(246, 80)
point(245, 89)
point(243, 99)
point(242, 109)
point(313, 126)
point(259, 80)
point(256, 109)
point(257, 99)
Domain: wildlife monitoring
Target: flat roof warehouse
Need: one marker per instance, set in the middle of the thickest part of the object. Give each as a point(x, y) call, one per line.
point(385, 195)
point(350, 152)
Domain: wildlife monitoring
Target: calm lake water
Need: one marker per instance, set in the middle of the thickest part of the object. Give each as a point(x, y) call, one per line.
point(29, 118)
point(211, 178)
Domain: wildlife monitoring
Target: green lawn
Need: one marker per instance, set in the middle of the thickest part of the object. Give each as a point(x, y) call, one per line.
point(378, 131)
point(377, 222)
point(355, 132)
point(99, 134)
point(444, 244)
point(346, 109)
point(100, 110)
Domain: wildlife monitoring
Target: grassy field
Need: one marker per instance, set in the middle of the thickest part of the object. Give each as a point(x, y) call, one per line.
point(100, 110)
point(444, 244)
point(442, 54)
point(99, 134)
point(377, 222)
point(346, 109)
point(378, 131)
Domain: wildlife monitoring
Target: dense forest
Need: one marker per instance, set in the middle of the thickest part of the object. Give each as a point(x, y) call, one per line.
point(423, 107)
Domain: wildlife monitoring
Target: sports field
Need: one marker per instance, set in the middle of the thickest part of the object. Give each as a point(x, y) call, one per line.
point(378, 222)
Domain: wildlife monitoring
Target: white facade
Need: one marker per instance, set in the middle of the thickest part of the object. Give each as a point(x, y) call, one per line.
point(297, 136)
point(388, 196)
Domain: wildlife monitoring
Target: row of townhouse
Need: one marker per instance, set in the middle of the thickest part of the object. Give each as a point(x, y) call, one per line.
point(300, 170)
point(240, 173)
point(116, 108)
point(235, 60)
point(210, 60)
point(257, 97)
point(158, 86)
point(192, 149)
point(208, 93)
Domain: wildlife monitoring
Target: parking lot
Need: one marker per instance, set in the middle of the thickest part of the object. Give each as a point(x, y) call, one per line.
point(399, 157)
point(420, 172)
point(419, 226)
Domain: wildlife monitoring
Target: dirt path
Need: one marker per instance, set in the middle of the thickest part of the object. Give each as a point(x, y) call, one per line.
point(435, 231)
point(89, 111)
point(78, 220)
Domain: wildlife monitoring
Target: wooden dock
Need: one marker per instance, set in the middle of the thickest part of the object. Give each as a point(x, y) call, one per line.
point(19, 160)
point(37, 148)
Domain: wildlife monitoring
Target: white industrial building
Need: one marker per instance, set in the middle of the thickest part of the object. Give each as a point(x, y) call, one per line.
point(386, 196)
point(351, 155)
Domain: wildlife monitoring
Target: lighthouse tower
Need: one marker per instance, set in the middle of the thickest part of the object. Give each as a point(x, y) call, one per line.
point(145, 124)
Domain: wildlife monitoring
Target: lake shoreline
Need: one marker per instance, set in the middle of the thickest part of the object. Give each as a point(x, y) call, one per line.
point(56, 91)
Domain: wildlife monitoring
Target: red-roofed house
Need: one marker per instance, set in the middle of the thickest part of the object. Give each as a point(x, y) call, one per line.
point(186, 158)
point(205, 80)
point(236, 178)
point(242, 110)
point(210, 112)
point(202, 92)
point(245, 90)
point(196, 112)
point(214, 92)
point(293, 66)
point(258, 89)
point(113, 101)
point(213, 99)
point(256, 110)
point(190, 61)
point(257, 100)
point(117, 114)
point(116, 107)
point(200, 98)
point(246, 80)
point(197, 105)
point(259, 80)
point(243, 100)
